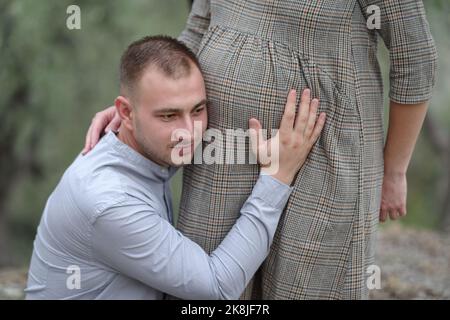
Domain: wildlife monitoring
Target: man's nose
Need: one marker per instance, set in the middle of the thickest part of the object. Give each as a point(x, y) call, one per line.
point(185, 130)
point(189, 125)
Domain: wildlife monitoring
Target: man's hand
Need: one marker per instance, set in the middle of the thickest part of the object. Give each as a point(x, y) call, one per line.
point(102, 122)
point(293, 141)
point(393, 196)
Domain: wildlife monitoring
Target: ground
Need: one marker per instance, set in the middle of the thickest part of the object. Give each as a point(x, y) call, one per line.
point(415, 264)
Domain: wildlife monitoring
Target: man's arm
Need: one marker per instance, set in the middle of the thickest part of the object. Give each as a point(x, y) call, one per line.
point(134, 240)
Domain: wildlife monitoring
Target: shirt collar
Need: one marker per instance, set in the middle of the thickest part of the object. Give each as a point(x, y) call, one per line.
point(142, 164)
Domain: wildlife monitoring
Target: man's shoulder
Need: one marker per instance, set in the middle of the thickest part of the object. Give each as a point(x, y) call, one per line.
point(95, 186)
point(103, 179)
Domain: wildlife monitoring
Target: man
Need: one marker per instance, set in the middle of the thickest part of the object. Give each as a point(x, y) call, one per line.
point(106, 231)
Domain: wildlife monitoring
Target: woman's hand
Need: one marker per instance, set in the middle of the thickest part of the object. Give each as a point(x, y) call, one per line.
point(393, 196)
point(102, 122)
point(284, 154)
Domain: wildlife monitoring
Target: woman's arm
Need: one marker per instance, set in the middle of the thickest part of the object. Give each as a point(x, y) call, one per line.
point(405, 122)
point(197, 25)
point(406, 33)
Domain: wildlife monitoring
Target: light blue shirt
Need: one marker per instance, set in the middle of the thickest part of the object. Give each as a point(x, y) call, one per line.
point(106, 233)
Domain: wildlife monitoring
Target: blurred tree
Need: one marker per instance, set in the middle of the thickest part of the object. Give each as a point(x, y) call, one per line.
point(52, 81)
point(441, 146)
point(437, 123)
point(15, 112)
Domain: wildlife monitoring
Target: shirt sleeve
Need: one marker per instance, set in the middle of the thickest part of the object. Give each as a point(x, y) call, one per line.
point(197, 25)
point(405, 31)
point(131, 238)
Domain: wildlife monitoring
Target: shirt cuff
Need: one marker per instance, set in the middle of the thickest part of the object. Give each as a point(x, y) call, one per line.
point(272, 191)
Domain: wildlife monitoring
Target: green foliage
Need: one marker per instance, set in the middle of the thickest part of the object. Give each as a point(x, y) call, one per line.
point(53, 80)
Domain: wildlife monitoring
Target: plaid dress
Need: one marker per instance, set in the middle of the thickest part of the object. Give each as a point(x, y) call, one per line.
point(252, 52)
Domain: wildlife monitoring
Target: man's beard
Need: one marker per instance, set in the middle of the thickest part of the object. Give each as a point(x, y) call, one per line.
point(148, 152)
point(153, 156)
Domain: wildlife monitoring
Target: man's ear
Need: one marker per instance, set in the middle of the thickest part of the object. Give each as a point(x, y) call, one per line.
point(125, 111)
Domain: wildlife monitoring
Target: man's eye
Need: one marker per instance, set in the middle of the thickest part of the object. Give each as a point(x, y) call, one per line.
point(167, 117)
point(199, 110)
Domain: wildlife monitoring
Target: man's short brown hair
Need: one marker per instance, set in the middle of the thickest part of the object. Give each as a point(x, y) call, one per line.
point(166, 54)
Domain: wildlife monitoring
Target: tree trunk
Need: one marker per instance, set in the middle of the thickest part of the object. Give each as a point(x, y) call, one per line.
point(441, 145)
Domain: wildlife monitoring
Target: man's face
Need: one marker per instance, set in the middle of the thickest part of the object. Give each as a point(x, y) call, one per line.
point(165, 109)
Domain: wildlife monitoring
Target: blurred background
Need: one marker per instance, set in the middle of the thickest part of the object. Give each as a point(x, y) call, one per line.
point(53, 80)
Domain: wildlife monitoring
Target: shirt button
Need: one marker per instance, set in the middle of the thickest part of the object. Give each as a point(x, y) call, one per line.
point(163, 170)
